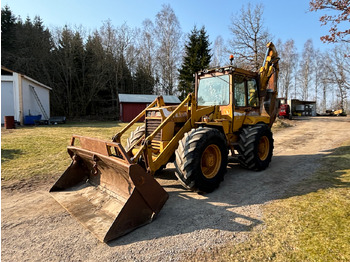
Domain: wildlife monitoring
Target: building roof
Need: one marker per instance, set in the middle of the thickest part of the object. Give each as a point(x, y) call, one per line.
point(304, 102)
point(139, 98)
point(8, 72)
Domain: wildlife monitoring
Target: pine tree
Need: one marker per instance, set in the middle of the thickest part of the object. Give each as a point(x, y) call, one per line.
point(197, 57)
point(8, 33)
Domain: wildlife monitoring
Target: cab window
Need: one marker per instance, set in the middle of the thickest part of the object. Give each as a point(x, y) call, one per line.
point(240, 94)
point(214, 91)
point(245, 91)
point(253, 98)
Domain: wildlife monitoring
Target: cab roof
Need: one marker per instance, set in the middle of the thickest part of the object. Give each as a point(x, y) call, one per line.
point(228, 68)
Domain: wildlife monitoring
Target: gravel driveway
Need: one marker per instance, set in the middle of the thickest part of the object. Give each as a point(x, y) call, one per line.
point(36, 228)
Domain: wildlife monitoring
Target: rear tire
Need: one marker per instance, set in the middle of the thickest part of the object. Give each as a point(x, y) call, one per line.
point(255, 147)
point(201, 159)
point(135, 136)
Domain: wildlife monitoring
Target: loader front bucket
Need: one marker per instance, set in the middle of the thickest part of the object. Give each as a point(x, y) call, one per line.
point(105, 191)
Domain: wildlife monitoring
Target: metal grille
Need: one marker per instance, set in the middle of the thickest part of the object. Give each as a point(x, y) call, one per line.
point(151, 125)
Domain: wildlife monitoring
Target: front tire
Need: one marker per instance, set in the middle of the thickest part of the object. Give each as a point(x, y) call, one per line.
point(255, 147)
point(131, 142)
point(201, 159)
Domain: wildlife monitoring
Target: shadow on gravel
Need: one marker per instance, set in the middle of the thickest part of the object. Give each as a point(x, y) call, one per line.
point(335, 164)
point(234, 206)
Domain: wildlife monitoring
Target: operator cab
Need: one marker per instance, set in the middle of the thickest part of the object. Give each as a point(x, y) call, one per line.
point(213, 88)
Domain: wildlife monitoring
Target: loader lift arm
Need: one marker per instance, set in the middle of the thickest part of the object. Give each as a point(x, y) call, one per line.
point(153, 163)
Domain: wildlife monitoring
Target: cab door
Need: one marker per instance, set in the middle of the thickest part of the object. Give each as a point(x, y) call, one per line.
point(245, 97)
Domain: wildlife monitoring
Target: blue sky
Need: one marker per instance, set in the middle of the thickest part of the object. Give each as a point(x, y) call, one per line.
point(285, 19)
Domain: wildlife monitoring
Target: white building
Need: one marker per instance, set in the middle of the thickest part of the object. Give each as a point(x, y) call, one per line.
point(23, 97)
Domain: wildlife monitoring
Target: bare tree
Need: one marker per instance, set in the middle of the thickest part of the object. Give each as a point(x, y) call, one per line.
point(250, 37)
point(306, 69)
point(218, 52)
point(319, 73)
point(118, 43)
point(346, 53)
point(324, 93)
point(337, 73)
point(168, 34)
point(147, 45)
point(107, 33)
point(145, 77)
point(126, 42)
point(289, 58)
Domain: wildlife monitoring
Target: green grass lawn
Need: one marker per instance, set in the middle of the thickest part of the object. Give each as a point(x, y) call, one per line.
point(308, 227)
point(40, 151)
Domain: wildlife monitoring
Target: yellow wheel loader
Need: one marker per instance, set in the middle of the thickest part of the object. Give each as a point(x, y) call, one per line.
point(110, 188)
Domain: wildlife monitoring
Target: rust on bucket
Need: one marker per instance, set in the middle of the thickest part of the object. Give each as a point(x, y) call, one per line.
point(105, 191)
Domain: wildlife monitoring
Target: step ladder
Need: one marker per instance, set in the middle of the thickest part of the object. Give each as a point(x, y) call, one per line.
point(39, 102)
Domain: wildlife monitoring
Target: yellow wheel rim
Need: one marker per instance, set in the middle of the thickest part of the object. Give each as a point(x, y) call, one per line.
point(263, 148)
point(211, 161)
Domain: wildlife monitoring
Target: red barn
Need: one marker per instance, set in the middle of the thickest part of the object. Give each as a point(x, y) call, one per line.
point(132, 104)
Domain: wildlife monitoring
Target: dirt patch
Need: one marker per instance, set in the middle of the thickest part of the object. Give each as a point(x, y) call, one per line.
point(283, 123)
point(27, 185)
point(36, 228)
